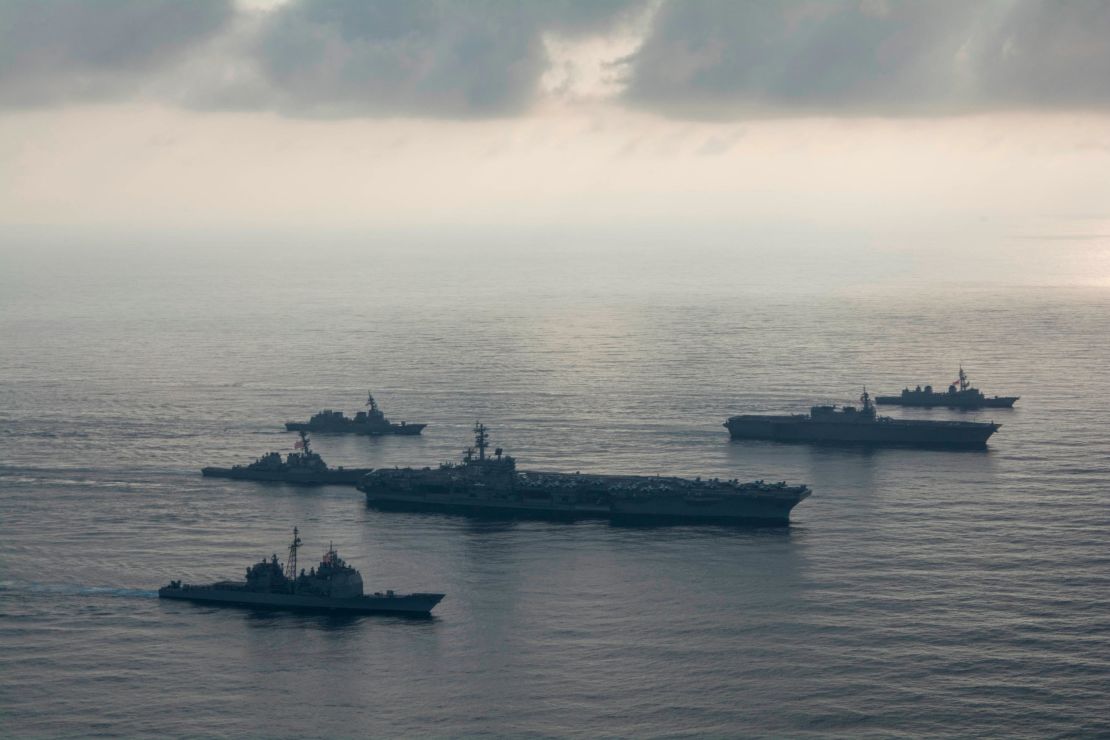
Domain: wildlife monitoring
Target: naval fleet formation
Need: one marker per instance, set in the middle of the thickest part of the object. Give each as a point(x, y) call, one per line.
point(486, 483)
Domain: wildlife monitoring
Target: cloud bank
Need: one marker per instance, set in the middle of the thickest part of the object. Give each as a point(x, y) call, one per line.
point(486, 58)
point(60, 51)
point(721, 58)
point(439, 58)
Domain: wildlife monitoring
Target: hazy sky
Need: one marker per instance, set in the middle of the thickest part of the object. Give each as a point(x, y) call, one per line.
point(945, 126)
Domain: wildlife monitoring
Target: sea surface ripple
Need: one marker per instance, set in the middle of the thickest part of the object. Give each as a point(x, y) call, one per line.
point(915, 593)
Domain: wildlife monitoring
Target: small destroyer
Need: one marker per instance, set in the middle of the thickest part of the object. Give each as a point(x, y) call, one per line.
point(960, 395)
point(491, 485)
point(305, 468)
point(333, 586)
point(849, 425)
point(372, 422)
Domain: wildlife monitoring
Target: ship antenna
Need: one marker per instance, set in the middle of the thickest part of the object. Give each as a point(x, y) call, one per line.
point(371, 402)
point(304, 443)
point(865, 399)
point(481, 439)
point(963, 378)
point(291, 563)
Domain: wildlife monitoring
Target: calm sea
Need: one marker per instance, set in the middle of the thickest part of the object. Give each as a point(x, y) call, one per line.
point(916, 592)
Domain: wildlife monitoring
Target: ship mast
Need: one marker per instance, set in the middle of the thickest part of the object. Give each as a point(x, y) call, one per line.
point(865, 399)
point(371, 402)
point(304, 445)
point(481, 440)
point(291, 562)
point(963, 378)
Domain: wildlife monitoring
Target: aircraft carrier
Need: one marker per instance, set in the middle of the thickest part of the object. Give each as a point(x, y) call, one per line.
point(485, 484)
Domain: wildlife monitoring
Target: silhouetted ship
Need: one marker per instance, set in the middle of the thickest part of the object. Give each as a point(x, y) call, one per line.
point(332, 586)
point(491, 485)
point(849, 425)
point(372, 422)
point(304, 467)
point(960, 395)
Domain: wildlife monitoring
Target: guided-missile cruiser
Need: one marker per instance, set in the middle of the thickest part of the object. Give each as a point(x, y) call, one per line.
point(332, 586)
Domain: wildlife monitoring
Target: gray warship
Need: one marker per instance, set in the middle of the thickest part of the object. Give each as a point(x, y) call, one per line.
point(305, 468)
point(371, 422)
point(849, 425)
point(332, 586)
point(960, 395)
point(485, 484)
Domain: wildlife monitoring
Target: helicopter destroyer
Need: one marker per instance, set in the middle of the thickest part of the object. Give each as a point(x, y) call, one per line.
point(960, 395)
point(849, 425)
point(491, 485)
point(333, 586)
point(305, 467)
point(372, 422)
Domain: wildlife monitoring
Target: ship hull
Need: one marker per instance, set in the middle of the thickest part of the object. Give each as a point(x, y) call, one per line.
point(757, 511)
point(943, 435)
point(371, 430)
point(340, 476)
point(418, 604)
point(572, 497)
point(940, 401)
point(471, 506)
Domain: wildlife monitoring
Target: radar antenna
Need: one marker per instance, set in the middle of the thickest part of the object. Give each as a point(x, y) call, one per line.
point(371, 402)
point(964, 384)
point(481, 439)
point(865, 399)
point(291, 563)
point(303, 444)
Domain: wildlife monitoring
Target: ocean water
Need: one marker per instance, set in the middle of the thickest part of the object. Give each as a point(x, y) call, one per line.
point(916, 592)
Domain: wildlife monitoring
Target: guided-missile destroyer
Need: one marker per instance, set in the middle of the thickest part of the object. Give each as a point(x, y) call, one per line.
point(304, 467)
point(371, 422)
point(849, 425)
point(332, 586)
point(485, 484)
point(960, 395)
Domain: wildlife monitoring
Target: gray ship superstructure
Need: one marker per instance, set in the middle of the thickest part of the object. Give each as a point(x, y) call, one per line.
point(960, 395)
point(332, 586)
point(849, 425)
point(304, 467)
point(491, 485)
point(372, 422)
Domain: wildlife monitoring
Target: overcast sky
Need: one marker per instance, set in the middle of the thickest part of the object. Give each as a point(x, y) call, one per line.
point(872, 122)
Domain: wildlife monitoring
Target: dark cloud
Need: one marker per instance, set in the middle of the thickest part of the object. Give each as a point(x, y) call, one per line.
point(723, 58)
point(481, 58)
point(435, 57)
point(62, 50)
